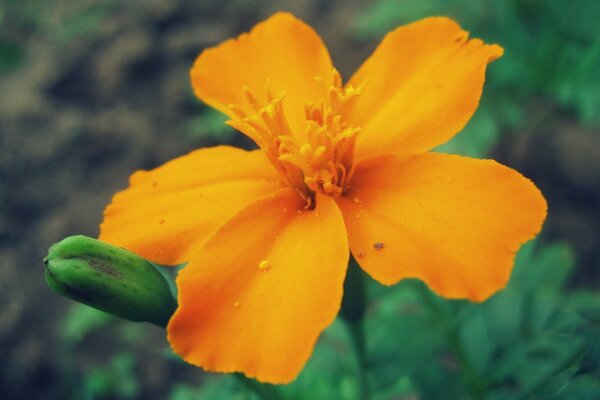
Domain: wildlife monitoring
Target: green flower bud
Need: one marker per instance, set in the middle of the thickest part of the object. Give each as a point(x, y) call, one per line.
point(110, 279)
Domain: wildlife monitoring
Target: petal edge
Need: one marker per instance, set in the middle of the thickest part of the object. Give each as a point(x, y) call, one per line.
point(453, 222)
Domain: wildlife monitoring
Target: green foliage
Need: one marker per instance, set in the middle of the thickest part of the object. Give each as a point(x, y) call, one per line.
point(477, 138)
point(12, 55)
point(57, 21)
point(117, 379)
point(208, 126)
point(526, 341)
point(81, 320)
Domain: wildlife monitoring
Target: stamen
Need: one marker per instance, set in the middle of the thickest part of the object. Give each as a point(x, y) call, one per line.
point(317, 159)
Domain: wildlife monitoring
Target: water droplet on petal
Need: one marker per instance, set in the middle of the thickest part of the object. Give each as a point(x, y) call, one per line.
point(236, 304)
point(360, 253)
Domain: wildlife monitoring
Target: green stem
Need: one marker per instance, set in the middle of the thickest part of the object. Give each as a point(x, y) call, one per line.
point(357, 335)
point(474, 383)
point(354, 305)
point(263, 391)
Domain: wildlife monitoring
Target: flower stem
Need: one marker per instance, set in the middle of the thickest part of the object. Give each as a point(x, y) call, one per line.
point(472, 380)
point(354, 305)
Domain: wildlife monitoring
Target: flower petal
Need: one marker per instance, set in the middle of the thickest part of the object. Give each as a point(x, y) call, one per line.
point(168, 210)
point(454, 222)
point(282, 52)
point(262, 289)
point(421, 86)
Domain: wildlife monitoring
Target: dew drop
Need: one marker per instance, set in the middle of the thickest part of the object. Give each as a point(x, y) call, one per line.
point(360, 253)
point(236, 304)
point(285, 210)
point(162, 221)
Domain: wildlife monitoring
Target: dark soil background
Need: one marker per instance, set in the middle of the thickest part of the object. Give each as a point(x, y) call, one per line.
point(85, 108)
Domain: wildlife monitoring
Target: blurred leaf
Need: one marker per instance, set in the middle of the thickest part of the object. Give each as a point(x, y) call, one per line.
point(222, 387)
point(184, 392)
point(406, 345)
point(83, 21)
point(12, 55)
point(476, 139)
point(116, 380)
point(545, 268)
point(334, 355)
point(209, 126)
point(82, 320)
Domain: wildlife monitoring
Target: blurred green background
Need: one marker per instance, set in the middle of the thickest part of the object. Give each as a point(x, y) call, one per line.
point(93, 90)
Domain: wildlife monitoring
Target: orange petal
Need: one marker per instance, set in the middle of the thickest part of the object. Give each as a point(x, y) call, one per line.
point(421, 86)
point(453, 222)
point(282, 52)
point(262, 289)
point(168, 210)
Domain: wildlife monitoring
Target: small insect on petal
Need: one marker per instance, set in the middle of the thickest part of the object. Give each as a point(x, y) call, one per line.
point(378, 245)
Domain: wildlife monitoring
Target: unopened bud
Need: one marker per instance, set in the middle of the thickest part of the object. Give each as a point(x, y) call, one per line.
point(110, 279)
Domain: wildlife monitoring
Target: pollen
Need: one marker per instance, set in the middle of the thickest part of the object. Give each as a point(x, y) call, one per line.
point(316, 159)
point(263, 265)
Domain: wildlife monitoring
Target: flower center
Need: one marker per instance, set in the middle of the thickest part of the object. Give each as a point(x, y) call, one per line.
point(320, 158)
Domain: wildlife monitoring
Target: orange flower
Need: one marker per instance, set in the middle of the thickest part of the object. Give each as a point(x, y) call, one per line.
point(266, 233)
